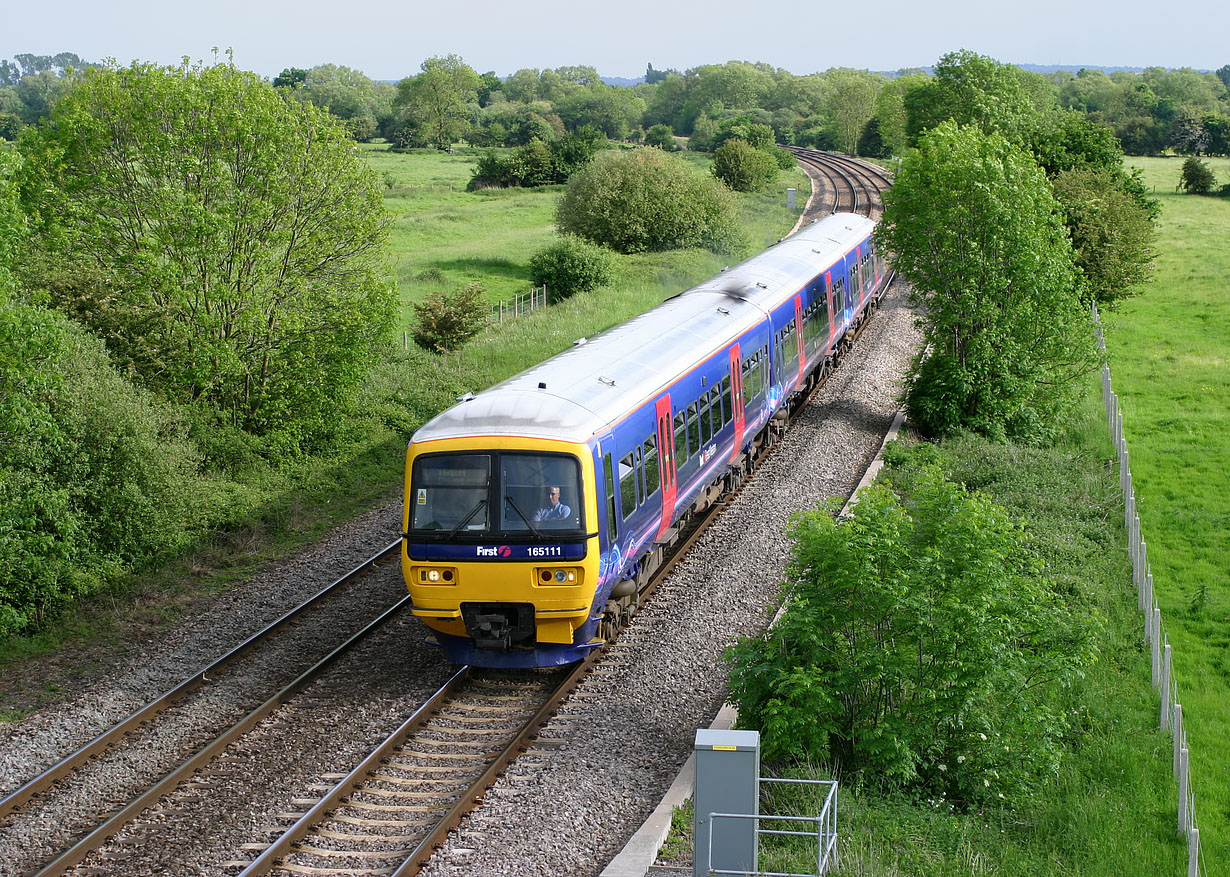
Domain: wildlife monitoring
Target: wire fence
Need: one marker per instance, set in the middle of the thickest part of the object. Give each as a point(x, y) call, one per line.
point(525, 303)
point(1170, 710)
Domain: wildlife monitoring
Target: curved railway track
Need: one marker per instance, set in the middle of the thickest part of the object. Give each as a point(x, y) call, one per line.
point(843, 184)
point(389, 813)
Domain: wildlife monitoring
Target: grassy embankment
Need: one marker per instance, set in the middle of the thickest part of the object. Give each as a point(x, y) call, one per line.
point(442, 237)
point(1112, 809)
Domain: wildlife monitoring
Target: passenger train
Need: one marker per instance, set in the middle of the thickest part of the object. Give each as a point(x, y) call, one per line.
point(535, 510)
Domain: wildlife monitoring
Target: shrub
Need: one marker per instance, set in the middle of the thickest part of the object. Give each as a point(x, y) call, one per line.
point(743, 168)
point(572, 265)
point(448, 320)
point(100, 479)
point(644, 199)
point(921, 647)
point(1197, 178)
point(660, 136)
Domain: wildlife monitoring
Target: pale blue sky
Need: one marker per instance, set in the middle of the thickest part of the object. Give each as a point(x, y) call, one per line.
point(388, 40)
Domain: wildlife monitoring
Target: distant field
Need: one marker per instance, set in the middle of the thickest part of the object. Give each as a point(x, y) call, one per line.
point(1168, 351)
point(444, 237)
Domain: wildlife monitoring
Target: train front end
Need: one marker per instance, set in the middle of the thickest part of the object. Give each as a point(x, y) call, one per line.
point(500, 550)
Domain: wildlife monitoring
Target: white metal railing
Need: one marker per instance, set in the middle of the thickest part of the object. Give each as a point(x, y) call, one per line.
point(825, 833)
point(1170, 711)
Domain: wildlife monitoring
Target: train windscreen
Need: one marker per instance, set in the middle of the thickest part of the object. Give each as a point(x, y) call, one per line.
point(502, 494)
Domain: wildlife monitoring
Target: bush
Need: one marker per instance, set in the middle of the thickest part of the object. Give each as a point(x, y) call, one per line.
point(921, 647)
point(572, 265)
point(644, 199)
point(1197, 178)
point(101, 477)
point(743, 168)
point(448, 320)
point(660, 136)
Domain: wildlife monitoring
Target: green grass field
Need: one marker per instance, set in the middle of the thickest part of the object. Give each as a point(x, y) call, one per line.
point(1168, 351)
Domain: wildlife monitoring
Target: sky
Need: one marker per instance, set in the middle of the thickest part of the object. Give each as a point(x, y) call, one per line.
point(389, 40)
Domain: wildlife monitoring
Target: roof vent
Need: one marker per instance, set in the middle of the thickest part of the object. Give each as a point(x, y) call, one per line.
point(465, 397)
point(723, 312)
point(579, 342)
point(762, 284)
point(542, 385)
point(610, 382)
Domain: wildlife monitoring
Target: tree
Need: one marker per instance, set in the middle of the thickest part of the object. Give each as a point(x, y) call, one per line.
point(974, 227)
point(1112, 233)
point(743, 168)
point(851, 104)
point(921, 646)
point(437, 98)
point(1197, 178)
point(228, 244)
point(660, 136)
point(648, 200)
point(975, 90)
point(290, 77)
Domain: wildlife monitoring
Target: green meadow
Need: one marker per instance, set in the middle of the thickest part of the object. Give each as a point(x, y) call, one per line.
point(1168, 350)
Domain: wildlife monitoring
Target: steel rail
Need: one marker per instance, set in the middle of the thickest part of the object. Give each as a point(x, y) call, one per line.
point(109, 738)
point(75, 854)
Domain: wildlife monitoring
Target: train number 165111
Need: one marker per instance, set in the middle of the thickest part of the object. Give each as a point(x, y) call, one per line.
point(546, 551)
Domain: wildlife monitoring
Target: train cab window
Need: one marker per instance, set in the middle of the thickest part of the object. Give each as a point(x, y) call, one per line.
point(681, 439)
point(649, 454)
point(706, 428)
point(610, 498)
point(728, 413)
point(693, 430)
point(507, 493)
point(627, 486)
point(451, 492)
point(527, 499)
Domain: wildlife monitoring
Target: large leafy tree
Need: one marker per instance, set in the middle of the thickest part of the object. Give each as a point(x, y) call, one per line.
point(975, 229)
point(975, 90)
point(851, 104)
point(224, 240)
point(437, 100)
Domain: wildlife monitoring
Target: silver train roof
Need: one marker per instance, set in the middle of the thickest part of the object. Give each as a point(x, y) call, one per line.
point(585, 390)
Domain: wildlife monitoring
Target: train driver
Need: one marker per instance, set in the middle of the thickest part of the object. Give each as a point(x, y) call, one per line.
point(554, 510)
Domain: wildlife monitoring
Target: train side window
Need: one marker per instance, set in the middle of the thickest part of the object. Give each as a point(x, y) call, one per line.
point(681, 439)
point(627, 486)
point(693, 430)
point(706, 428)
point(650, 456)
point(728, 413)
point(748, 395)
point(640, 475)
point(610, 498)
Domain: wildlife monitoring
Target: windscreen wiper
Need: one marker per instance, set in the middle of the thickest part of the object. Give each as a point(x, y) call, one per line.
point(474, 511)
point(512, 502)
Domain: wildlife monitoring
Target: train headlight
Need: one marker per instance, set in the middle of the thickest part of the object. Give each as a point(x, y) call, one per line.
point(437, 576)
point(559, 576)
point(433, 575)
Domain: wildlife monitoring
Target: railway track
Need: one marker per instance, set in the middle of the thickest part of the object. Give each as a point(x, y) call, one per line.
point(843, 184)
point(287, 637)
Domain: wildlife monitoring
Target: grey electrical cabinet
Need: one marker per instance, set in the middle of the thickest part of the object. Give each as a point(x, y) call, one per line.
point(727, 781)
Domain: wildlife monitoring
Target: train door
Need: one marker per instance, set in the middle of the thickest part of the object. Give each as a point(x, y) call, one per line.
point(666, 456)
point(798, 337)
point(736, 397)
point(832, 312)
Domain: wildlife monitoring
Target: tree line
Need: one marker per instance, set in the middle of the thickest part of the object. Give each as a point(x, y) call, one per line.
point(857, 111)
